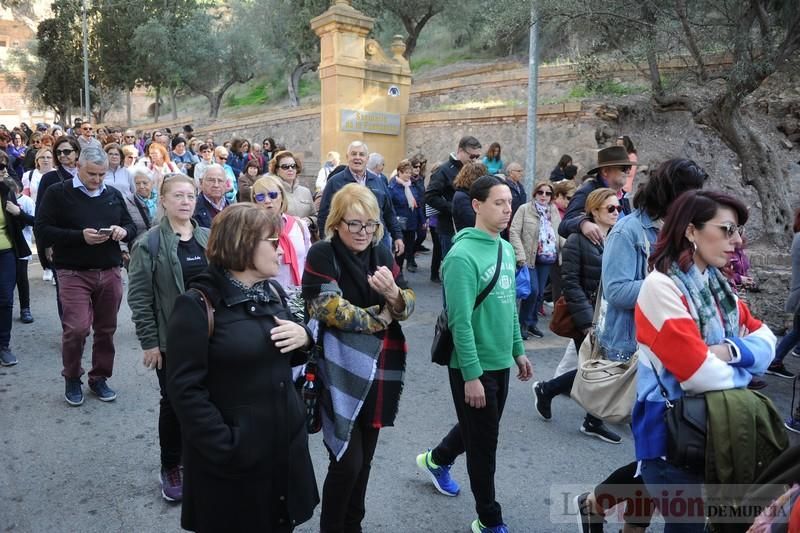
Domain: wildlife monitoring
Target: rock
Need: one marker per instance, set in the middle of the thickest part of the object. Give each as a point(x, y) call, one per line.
point(787, 143)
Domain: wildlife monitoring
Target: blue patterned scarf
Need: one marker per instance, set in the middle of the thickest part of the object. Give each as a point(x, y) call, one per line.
point(712, 304)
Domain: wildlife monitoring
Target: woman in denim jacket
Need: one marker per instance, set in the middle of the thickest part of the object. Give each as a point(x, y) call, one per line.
point(625, 256)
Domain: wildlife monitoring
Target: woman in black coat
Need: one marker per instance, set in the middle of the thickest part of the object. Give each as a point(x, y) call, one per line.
point(463, 214)
point(582, 262)
point(245, 452)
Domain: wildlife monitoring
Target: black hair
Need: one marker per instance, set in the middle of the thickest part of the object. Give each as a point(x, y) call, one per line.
point(482, 186)
point(570, 171)
point(669, 180)
point(176, 141)
point(469, 142)
point(565, 160)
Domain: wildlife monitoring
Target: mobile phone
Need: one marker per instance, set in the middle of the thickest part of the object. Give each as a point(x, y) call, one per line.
point(105, 231)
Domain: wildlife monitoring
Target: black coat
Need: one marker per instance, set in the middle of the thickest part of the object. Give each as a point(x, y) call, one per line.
point(245, 452)
point(576, 210)
point(463, 214)
point(439, 194)
point(15, 224)
point(581, 264)
point(203, 210)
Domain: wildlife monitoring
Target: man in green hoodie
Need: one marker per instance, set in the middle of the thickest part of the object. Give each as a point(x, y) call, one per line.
point(487, 344)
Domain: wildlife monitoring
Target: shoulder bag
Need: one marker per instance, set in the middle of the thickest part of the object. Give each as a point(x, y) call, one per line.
point(442, 345)
point(606, 389)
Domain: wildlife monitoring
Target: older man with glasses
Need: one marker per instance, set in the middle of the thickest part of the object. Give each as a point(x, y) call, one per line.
point(211, 200)
point(86, 137)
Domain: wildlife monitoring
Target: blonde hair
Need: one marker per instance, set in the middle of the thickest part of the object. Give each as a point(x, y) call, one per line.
point(564, 188)
point(358, 199)
point(219, 150)
point(468, 174)
point(39, 153)
point(596, 199)
point(262, 184)
point(543, 183)
point(129, 150)
point(403, 165)
point(167, 183)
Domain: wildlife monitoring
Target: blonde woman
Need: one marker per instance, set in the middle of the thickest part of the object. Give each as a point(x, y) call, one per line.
point(537, 246)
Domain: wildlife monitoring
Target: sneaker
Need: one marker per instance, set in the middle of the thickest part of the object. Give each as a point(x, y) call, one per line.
point(601, 432)
point(796, 351)
point(792, 424)
point(477, 527)
point(541, 402)
point(73, 393)
point(440, 475)
point(588, 522)
point(102, 391)
point(422, 249)
point(171, 484)
point(25, 315)
point(756, 384)
point(47, 275)
point(7, 358)
point(778, 369)
point(533, 330)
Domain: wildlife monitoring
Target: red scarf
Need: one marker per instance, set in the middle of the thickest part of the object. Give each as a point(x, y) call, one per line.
point(289, 254)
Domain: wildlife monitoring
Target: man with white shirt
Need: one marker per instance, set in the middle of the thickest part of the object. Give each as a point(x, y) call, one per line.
point(83, 220)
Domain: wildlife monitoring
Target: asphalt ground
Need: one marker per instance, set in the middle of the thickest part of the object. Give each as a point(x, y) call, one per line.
point(94, 468)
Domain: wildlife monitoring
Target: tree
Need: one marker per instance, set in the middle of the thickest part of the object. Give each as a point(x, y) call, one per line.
point(413, 14)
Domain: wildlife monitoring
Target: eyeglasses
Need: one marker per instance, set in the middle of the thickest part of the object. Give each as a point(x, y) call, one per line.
point(473, 157)
point(86, 129)
point(612, 208)
point(542, 192)
point(729, 229)
point(65, 151)
point(291, 166)
point(355, 226)
point(274, 241)
point(625, 169)
point(262, 197)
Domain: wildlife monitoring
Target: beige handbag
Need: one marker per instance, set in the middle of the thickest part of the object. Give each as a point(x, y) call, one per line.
point(606, 389)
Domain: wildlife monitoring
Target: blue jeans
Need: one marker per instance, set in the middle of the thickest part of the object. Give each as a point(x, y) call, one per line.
point(8, 280)
point(529, 307)
point(788, 341)
point(683, 513)
point(446, 242)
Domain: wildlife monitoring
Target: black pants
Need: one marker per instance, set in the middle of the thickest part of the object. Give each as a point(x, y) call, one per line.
point(620, 487)
point(422, 232)
point(436, 256)
point(169, 429)
point(476, 434)
point(409, 241)
point(345, 487)
point(23, 287)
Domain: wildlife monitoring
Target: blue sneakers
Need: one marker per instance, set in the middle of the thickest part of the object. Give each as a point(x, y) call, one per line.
point(102, 391)
point(477, 527)
point(72, 392)
point(440, 475)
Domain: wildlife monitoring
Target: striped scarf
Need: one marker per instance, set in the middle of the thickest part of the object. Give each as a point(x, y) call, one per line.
point(712, 305)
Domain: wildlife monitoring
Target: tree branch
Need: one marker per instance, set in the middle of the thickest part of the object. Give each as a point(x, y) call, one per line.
point(691, 43)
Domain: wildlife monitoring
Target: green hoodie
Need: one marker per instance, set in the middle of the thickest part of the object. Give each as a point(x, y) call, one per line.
point(487, 338)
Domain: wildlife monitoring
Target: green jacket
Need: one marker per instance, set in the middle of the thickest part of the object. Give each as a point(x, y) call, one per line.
point(151, 295)
point(487, 338)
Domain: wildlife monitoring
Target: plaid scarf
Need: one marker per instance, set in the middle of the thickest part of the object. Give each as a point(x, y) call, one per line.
point(713, 305)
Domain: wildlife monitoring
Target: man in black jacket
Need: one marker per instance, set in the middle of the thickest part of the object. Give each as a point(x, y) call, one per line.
point(83, 220)
point(211, 200)
point(439, 194)
point(611, 171)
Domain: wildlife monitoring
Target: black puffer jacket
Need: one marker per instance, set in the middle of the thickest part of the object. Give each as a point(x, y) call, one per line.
point(581, 265)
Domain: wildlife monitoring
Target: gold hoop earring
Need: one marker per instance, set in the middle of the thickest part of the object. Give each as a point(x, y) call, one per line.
point(694, 246)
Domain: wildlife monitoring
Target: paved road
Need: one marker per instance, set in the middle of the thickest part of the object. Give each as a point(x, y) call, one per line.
point(95, 468)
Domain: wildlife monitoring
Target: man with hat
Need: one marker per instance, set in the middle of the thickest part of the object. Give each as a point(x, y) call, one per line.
point(611, 171)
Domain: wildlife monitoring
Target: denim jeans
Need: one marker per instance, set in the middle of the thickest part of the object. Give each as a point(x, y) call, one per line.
point(90, 299)
point(788, 341)
point(529, 307)
point(684, 512)
point(446, 242)
point(8, 279)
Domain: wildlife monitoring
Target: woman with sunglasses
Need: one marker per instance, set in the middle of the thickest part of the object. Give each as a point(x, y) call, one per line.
point(580, 282)
point(270, 193)
point(537, 247)
point(246, 463)
point(301, 201)
point(157, 277)
point(357, 298)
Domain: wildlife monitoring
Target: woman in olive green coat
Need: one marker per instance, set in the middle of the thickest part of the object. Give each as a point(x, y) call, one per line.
point(162, 262)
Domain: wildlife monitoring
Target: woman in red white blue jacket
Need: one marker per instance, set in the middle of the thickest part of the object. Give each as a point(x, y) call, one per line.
point(693, 328)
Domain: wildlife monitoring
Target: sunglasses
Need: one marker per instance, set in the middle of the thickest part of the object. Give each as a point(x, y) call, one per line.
point(274, 241)
point(355, 226)
point(292, 166)
point(65, 151)
point(543, 193)
point(223, 158)
point(261, 197)
point(473, 157)
point(86, 129)
point(729, 229)
point(612, 208)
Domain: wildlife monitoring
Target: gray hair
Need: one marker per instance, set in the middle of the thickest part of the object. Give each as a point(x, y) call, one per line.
point(93, 154)
point(140, 170)
point(214, 166)
point(374, 160)
point(358, 143)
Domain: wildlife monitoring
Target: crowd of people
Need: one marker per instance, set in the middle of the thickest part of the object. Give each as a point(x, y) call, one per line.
point(239, 274)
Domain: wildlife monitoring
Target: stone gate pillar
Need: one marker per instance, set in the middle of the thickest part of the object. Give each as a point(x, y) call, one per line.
point(365, 91)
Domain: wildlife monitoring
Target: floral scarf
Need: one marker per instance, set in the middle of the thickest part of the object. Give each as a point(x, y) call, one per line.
point(260, 292)
point(712, 302)
point(546, 252)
